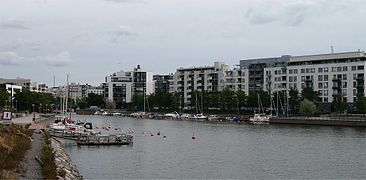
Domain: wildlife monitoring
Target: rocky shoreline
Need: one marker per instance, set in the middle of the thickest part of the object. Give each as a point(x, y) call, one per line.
point(63, 162)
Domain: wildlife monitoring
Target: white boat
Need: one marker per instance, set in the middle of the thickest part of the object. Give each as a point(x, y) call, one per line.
point(173, 115)
point(259, 118)
point(199, 117)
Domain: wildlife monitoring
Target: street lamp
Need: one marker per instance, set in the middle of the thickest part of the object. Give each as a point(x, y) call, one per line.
point(34, 113)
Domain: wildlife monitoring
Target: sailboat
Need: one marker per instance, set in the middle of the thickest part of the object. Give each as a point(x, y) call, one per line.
point(259, 118)
point(199, 116)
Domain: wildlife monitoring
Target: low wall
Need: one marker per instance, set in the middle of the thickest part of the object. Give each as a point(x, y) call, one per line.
point(63, 161)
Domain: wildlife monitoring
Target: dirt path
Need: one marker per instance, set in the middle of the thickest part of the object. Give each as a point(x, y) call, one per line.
point(31, 167)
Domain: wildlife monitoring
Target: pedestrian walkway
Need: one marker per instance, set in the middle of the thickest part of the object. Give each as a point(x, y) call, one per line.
point(26, 119)
point(33, 169)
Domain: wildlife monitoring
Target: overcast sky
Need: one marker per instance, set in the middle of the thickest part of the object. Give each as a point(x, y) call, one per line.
point(90, 39)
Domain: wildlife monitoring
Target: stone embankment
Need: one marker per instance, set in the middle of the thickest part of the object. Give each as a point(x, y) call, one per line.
point(63, 162)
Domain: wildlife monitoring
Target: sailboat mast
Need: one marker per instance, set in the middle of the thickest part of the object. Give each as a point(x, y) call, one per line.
point(196, 103)
point(144, 98)
point(67, 92)
point(277, 105)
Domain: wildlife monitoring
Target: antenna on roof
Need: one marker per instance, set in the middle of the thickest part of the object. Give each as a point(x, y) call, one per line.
point(332, 50)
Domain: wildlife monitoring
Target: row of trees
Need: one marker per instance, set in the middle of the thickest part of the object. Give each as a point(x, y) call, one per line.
point(224, 101)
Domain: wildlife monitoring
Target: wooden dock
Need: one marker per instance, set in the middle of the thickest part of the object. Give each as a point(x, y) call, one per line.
point(94, 139)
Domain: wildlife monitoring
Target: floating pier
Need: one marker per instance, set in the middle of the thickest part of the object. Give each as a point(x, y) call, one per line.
point(94, 139)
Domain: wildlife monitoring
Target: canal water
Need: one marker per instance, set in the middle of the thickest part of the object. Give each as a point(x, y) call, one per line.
point(224, 151)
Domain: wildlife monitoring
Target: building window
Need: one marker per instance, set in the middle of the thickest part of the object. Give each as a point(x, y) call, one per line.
point(325, 78)
point(326, 85)
point(320, 92)
point(334, 69)
point(326, 99)
point(295, 71)
point(339, 69)
point(320, 85)
point(325, 69)
point(361, 67)
point(320, 77)
point(354, 68)
point(291, 71)
point(307, 70)
point(320, 70)
point(312, 70)
point(344, 84)
point(345, 68)
point(344, 76)
point(325, 92)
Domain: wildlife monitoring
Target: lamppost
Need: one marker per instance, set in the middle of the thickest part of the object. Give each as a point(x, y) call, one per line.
point(237, 103)
point(34, 113)
point(16, 106)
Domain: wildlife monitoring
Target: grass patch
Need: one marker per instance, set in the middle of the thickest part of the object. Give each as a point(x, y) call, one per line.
point(14, 143)
point(47, 162)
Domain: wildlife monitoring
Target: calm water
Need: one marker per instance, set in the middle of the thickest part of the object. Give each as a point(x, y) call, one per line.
point(224, 151)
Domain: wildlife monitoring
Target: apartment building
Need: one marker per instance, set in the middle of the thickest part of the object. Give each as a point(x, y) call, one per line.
point(99, 90)
point(256, 73)
point(329, 74)
point(121, 86)
point(237, 80)
point(163, 83)
point(24, 83)
point(38, 87)
point(208, 78)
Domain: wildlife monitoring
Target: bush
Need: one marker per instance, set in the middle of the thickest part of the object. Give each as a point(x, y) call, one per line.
point(307, 108)
point(14, 143)
point(47, 163)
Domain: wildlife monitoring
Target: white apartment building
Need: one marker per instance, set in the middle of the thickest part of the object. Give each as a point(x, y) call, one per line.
point(121, 86)
point(329, 74)
point(208, 78)
point(38, 87)
point(237, 80)
point(99, 90)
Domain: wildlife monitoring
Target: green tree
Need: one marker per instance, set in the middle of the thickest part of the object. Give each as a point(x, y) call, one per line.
point(339, 103)
point(307, 108)
point(294, 100)
point(361, 104)
point(94, 100)
point(4, 96)
point(309, 94)
point(241, 98)
point(110, 104)
point(264, 98)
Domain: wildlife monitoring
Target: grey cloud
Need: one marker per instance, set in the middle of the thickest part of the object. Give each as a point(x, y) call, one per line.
point(13, 24)
point(122, 32)
point(126, 1)
point(19, 44)
point(291, 12)
point(12, 58)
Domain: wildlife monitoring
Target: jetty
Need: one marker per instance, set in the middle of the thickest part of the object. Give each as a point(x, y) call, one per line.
point(93, 139)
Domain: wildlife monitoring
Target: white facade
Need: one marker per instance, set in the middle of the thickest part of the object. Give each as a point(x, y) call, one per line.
point(237, 80)
point(209, 78)
point(329, 74)
point(38, 87)
point(95, 90)
point(12, 89)
point(121, 86)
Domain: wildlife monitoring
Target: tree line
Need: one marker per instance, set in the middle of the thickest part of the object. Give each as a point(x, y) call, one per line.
point(226, 101)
